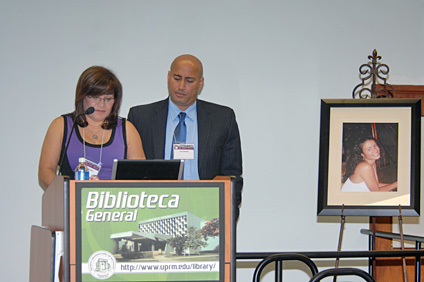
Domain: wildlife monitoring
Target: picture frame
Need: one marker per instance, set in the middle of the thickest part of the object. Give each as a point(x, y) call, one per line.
point(392, 152)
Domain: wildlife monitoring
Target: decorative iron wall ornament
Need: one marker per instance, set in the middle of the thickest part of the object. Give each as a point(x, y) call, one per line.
point(373, 73)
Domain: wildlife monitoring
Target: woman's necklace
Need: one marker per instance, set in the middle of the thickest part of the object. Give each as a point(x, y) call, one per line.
point(94, 134)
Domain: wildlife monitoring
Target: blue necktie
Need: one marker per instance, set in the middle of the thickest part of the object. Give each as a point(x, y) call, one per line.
point(180, 133)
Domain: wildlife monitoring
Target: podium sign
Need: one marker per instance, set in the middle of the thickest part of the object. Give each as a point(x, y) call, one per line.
point(149, 231)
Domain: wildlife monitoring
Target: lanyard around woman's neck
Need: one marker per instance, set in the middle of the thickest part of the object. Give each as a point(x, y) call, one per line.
point(101, 145)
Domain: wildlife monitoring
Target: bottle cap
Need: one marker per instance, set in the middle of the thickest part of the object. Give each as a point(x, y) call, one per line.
point(81, 160)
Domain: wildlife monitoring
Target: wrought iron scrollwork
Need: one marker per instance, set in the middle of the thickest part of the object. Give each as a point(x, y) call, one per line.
point(373, 73)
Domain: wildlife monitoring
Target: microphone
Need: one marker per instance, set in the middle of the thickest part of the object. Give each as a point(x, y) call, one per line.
point(88, 111)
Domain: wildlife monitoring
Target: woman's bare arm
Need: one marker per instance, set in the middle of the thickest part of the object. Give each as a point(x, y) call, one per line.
point(50, 153)
point(366, 172)
point(135, 147)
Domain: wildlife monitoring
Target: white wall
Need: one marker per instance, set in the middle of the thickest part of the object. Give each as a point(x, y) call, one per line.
point(271, 61)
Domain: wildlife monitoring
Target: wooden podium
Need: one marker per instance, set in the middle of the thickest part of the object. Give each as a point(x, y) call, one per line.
point(132, 230)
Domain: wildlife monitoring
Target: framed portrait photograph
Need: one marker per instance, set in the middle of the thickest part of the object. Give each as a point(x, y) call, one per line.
point(369, 161)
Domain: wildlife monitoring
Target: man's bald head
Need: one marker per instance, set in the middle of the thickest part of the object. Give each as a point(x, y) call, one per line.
point(190, 59)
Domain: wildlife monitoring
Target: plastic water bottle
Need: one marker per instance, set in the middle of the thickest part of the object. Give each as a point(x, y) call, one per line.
point(81, 172)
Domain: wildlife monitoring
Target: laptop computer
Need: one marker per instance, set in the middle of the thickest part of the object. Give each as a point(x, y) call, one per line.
point(147, 169)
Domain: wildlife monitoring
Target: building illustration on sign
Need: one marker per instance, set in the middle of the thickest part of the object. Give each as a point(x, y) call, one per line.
point(161, 238)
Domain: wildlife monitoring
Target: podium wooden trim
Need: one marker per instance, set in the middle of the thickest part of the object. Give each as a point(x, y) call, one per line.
point(57, 215)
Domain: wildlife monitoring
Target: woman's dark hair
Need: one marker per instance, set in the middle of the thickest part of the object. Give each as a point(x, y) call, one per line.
point(354, 156)
point(96, 81)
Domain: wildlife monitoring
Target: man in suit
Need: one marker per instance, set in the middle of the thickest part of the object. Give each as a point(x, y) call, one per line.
point(210, 130)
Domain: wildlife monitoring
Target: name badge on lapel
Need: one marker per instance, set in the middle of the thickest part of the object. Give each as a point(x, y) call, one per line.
point(184, 151)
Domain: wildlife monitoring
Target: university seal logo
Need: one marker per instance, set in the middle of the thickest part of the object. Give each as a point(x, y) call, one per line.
point(101, 265)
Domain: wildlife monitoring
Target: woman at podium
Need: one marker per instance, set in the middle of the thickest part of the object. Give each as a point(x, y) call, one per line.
point(98, 134)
